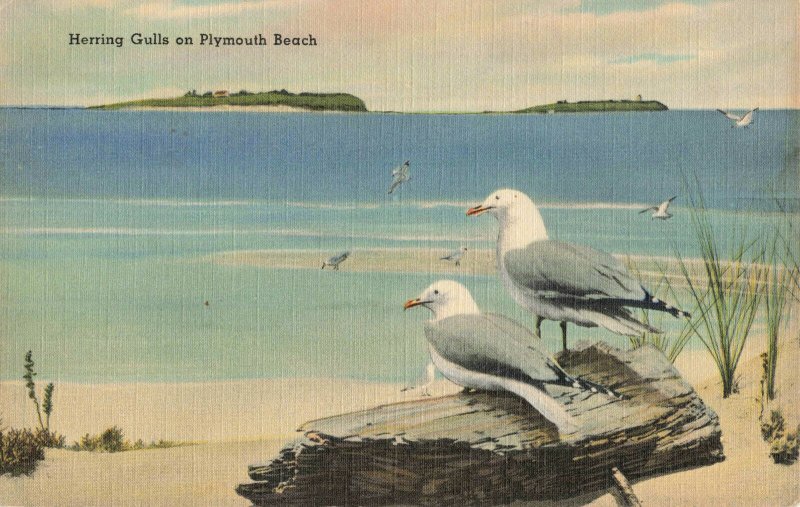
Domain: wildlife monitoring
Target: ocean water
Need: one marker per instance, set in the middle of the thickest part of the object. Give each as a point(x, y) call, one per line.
point(106, 217)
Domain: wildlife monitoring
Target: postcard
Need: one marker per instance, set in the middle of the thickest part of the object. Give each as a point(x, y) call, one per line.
point(274, 252)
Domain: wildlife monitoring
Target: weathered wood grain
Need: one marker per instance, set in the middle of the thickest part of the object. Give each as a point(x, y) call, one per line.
point(490, 448)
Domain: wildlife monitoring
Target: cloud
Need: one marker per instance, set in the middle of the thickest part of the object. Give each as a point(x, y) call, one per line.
point(604, 7)
point(167, 9)
point(657, 58)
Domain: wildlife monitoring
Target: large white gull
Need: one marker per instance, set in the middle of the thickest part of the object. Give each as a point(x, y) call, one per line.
point(563, 281)
point(494, 353)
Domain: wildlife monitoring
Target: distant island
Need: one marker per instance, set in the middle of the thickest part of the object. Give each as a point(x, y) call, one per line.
point(244, 98)
point(597, 106)
point(282, 100)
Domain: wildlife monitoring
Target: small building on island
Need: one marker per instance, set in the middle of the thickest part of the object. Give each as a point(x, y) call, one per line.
point(220, 93)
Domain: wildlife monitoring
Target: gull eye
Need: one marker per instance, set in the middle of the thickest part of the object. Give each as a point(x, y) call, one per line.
point(436, 292)
point(497, 198)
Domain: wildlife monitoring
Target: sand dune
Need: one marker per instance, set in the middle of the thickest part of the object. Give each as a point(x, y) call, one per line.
point(237, 423)
point(244, 422)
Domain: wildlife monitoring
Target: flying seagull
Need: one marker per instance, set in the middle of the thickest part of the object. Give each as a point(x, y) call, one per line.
point(430, 376)
point(563, 281)
point(739, 121)
point(399, 176)
point(336, 260)
point(494, 353)
point(455, 256)
point(660, 211)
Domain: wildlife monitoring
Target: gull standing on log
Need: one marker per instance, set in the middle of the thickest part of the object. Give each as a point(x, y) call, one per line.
point(563, 281)
point(660, 211)
point(739, 121)
point(399, 176)
point(494, 353)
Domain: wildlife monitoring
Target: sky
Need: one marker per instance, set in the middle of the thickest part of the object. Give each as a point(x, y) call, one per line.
point(412, 55)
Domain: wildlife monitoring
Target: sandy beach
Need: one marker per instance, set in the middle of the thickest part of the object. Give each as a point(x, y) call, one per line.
point(237, 423)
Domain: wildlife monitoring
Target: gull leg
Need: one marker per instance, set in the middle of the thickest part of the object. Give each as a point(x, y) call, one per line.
point(539, 326)
point(564, 335)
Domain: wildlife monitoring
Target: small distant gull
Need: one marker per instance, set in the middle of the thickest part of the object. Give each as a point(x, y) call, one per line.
point(399, 176)
point(455, 256)
point(660, 210)
point(563, 281)
point(494, 353)
point(336, 260)
point(430, 376)
point(739, 121)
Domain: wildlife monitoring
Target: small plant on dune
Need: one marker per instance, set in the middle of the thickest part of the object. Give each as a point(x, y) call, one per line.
point(113, 440)
point(31, 385)
point(779, 279)
point(20, 451)
point(728, 297)
point(784, 448)
point(43, 434)
point(670, 345)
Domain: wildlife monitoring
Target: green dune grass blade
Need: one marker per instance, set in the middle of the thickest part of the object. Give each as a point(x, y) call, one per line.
point(728, 297)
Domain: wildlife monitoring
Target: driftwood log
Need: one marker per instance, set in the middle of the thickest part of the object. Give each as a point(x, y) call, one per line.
point(493, 448)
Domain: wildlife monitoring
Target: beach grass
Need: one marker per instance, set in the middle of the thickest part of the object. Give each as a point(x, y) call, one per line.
point(728, 301)
point(670, 344)
point(781, 274)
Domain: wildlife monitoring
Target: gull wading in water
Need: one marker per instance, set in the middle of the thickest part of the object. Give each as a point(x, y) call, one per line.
point(660, 211)
point(739, 121)
point(336, 260)
point(493, 353)
point(563, 281)
point(399, 176)
point(455, 256)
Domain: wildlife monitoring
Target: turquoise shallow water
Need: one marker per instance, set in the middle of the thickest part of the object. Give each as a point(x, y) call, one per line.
point(110, 291)
point(105, 218)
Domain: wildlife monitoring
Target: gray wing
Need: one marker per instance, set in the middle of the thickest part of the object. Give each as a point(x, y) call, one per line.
point(730, 116)
point(451, 256)
point(336, 259)
point(493, 345)
point(749, 116)
point(557, 269)
point(395, 183)
point(402, 169)
point(665, 205)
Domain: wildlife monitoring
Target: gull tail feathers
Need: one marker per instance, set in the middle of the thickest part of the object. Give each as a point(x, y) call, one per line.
point(657, 304)
point(624, 323)
point(551, 409)
point(565, 379)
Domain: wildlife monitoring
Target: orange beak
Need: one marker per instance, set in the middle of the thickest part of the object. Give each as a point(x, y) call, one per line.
point(477, 210)
point(411, 303)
